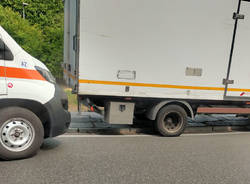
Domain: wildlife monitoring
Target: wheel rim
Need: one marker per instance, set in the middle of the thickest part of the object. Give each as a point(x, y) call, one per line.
point(173, 122)
point(17, 134)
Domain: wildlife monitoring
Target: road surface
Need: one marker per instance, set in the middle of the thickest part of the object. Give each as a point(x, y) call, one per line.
point(208, 158)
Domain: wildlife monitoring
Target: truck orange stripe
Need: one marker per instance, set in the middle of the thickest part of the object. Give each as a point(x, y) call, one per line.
point(160, 85)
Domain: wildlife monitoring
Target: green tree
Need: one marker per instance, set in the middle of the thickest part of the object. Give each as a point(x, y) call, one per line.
point(42, 12)
point(46, 15)
point(29, 37)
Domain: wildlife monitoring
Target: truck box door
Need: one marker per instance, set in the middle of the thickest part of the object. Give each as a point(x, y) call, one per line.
point(70, 43)
point(238, 76)
point(3, 89)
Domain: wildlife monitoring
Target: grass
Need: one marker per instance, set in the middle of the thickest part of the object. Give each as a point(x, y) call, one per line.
point(73, 101)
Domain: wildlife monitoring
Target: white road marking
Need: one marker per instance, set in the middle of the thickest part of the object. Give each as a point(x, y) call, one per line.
point(101, 136)
point(214, 134)
point(144, 135)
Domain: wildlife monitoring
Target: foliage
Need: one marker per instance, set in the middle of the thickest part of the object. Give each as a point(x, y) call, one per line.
point(73, 101)
point(45, 16)
point(28, 36)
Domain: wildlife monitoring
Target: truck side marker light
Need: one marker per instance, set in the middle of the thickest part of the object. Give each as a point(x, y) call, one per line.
point(242, 94)
point(10, 85)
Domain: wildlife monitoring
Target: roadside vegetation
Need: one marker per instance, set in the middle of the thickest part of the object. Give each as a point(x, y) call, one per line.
point(73, 101)
point(40, 33)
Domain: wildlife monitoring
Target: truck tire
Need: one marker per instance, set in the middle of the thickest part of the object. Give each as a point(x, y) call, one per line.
point(21, 133)
point(171, 121)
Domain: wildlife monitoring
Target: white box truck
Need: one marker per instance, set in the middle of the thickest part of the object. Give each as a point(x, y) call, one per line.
point(32, 106)
point(160, 58)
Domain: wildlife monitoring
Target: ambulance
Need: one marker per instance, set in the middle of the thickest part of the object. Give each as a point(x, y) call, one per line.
point(32, 106)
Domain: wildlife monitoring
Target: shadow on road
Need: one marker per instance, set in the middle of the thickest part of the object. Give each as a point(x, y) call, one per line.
point(47, 145)
point(50, 144)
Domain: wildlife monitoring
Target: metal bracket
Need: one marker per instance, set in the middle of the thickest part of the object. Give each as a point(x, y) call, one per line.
point(238, 16)
point(69, 67)
point(75, 43)
point(225, 81)
point(64, 65)
point(74, 90)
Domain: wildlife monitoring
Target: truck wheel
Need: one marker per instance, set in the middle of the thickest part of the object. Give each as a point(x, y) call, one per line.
point(21, 133)
point(171, 121)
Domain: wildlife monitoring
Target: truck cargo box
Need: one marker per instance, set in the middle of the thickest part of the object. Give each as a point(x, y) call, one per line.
point(157, 48)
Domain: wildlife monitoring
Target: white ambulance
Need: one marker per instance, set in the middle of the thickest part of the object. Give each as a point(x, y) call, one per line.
point(32, 106)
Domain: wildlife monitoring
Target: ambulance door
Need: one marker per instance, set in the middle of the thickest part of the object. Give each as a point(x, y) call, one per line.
point(3, 88)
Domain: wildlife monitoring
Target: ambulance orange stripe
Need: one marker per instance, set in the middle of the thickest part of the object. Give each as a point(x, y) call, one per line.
point(20, 73)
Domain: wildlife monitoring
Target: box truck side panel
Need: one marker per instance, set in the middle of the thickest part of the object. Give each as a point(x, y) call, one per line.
point(239, 72)
point(160, 48)
point(66, 41)
point(70, 42)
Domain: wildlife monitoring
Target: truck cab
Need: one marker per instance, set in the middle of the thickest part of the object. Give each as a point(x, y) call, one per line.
point(32, 105)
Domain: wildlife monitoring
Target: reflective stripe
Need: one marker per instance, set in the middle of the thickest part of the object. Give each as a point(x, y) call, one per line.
point(69, 74)
point(160, 85)
point(20, 73)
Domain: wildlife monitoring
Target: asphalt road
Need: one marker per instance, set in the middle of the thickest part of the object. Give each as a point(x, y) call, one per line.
point(215, 159)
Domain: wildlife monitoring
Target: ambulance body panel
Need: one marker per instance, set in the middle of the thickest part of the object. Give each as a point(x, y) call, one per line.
point(32, 106)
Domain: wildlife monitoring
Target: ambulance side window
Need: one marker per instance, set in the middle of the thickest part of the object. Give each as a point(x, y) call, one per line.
point(1, 50)
point(5, 53)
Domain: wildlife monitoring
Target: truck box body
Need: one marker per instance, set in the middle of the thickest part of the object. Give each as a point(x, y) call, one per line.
point(157, 48)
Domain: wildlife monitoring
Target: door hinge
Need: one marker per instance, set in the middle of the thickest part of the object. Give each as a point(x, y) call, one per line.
point(238, 16)
point(74, 90)
point(225, 81)
point(75, 43)
point(69, 67)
